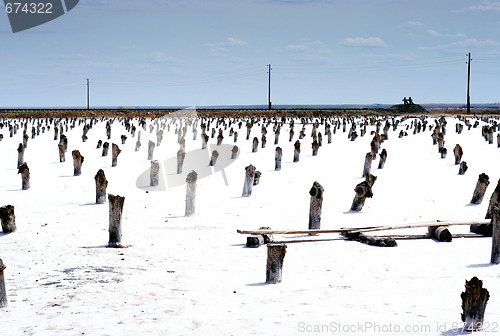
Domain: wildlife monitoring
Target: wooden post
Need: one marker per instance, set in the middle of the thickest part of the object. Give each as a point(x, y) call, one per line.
point(151, 147)
point(363, 190)
point(264, 141)
point(114, 155)
point(256, 178)
point(3, 292)
point(213, 159)
point(100, 187)
point(291, 135)
point(235, 136)
point(234, 152)
point(159, 137)
point(458, 152)
point(8, 219)
point(25, 176)
point(498, 140)
point(249, 177)
point(296, 151)
point(220, 137)
point(277, 136)
point(443, 152)
point(315, 205)
point(368, 163)
point(463, 168)
point(494, 201)
point(191, 193)
point(474, 301)
point(105, 148)
point(440, 141)
point(383, 157)
point(77, 162)
point(124, 138)
point(255, 145)
point(481, 185)
point(277, 158)
point(154, 173)
point(20, 155)
point(440, 233)
point(275, 256)
point(115, 220)
point(315, 148)
point(181, 154)
point(99, 144)
point(495, 249)
point(137, 145)
point(370, 179)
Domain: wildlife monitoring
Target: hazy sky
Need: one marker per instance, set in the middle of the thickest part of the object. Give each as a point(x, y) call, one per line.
point(215, 52)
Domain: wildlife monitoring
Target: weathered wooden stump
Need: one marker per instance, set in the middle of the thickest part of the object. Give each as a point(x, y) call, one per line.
point(368, 163)
point(234, 152)
point(191, 193)
point(256, 178)
point(275, 256)
point(458, 152)
point(159, 137)
point(383, 157)
point(498, 140)
point(235, 135)
point(255, 241)
point(124, 138)
point(20, 155)
point(99, 144)
point(151, 147)
point(154, 173)
point(474, 301)
point(495, 248)
point(25, 140)
point(315, 205)
point(370, 179)
point(8, 219)
point(249, 177)
point(77, 162)
point(105, 148)
point(277, 158)
point(115, 220)
point(3, 292)
point(255, 145)
point(296, 151)
point(220, 137)
point(213, 159)
point(101, 185)
point(291, 135)
point(181, 155)
point(440, 141)
point(264, 141)
point(440, 233)
point(137, 145)
point(315, 148)
point(463, 168)
point(115, 151)
point(363, 190)
point(481, 185)
point(84, 138)
point(25, 176)
point(443, 152)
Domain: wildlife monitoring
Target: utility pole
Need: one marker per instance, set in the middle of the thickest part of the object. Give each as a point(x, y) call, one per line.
point(269, 92)
point(88, 94)
point(468, 85)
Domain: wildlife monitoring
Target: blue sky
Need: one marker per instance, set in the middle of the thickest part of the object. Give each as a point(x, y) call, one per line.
point(215, 52)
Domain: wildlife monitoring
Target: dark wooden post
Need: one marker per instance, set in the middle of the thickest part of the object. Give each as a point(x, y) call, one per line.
point(20, 155)
point(495, 248)
point(235, 136)
point(100, 187)
point(255, 145)
point(443, 152)
point(291, 135)
point(115, 220)
point(249, 177)
point(256, 178)
point(498, 140)
point(383, 157)
point(8, 219)
point(124, 138)
point(114, 155)
point(25, 176)
point(191, 193)
point(494, 200)
point(213, 159)
point(474, 301)
point(316, 203)
point(363, 190)
point(151, 147)
point(458, 152)
point(3, 292)
point(25, 140)
point(234, 152)
point(274, 269)
point(77, 162)
point(204, 140)
point(181, 155)
point(277, 136)
point(440, 141)
point(463, 168)
point(154, 173)
point(99, 144)
point(315, 148)
point(368, 163)
point(105, 148)
point(220, 137)
point(440, 233)
point(296, 151)
point(108, 130)
point(277, 158)
point(481, 185)
point(264, 141)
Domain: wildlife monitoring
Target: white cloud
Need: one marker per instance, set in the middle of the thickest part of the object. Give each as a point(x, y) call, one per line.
point(485, 6)
point(413, 25)
point(372, 42)
point(161, 57)
point(305, 45)
point(467, 43)
point(229, 42)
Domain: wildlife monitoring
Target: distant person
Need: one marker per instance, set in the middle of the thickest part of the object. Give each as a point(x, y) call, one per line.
point(410, 101)
point(405, 101)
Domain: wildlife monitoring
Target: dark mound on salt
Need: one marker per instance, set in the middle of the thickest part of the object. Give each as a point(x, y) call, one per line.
point(408, 108)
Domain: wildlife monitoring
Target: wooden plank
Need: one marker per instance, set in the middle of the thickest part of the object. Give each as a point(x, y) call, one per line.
point(364, 229)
